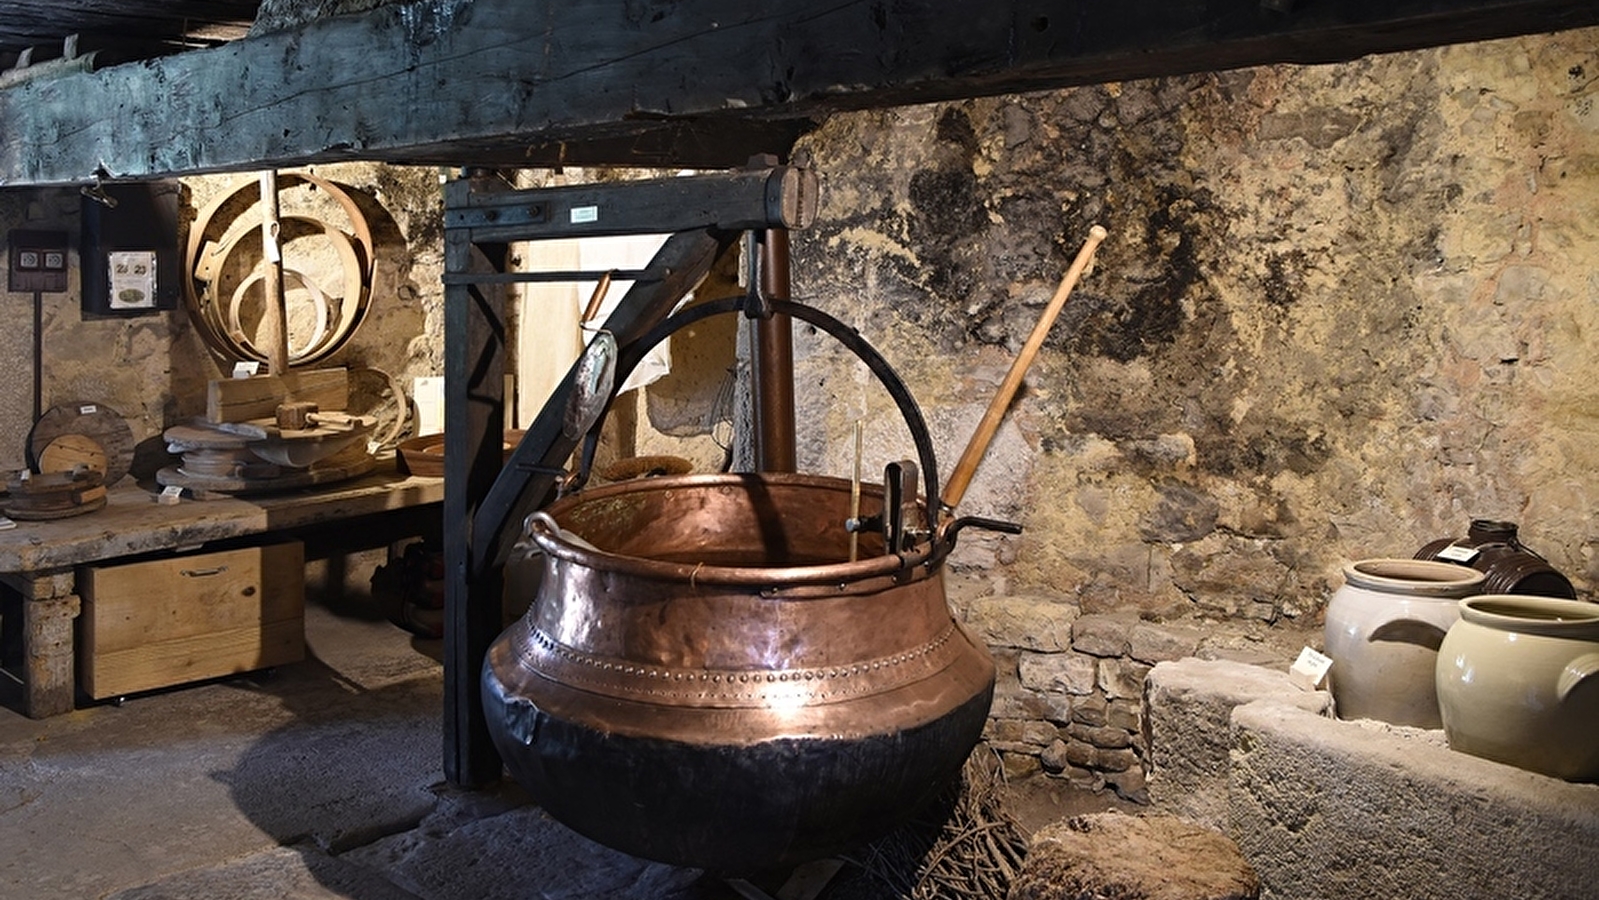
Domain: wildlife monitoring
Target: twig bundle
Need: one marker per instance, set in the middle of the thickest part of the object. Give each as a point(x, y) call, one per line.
point(968, 846)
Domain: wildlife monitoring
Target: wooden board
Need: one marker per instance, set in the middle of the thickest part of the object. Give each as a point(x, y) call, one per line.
point(436, 83)
point(54, 495)
point(169, 621)
point(34, 511)
point(64, 434)
point(257, 397)
point(69, 451)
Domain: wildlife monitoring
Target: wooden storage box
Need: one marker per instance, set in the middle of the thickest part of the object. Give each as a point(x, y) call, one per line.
point(169, 621)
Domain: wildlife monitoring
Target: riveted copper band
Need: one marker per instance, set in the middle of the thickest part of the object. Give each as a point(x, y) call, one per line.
point(733, 688)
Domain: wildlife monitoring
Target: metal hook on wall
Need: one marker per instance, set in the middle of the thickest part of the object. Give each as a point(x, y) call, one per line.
point(96, 192)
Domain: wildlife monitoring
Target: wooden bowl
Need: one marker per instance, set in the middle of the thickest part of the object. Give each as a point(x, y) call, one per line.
point(425, 455)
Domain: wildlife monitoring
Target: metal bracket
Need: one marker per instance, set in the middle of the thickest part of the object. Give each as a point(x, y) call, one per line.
point(756, 304)
point(899, 506)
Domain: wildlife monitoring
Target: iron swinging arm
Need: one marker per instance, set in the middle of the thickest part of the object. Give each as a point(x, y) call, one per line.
point(523, 477)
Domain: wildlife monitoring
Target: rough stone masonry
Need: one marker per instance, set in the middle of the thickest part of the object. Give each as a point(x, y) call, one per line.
point(1343, 309)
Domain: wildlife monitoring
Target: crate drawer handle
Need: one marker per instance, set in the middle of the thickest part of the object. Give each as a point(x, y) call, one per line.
point(201, 573)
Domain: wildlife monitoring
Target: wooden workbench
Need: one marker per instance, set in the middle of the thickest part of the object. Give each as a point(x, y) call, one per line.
point(39, 559)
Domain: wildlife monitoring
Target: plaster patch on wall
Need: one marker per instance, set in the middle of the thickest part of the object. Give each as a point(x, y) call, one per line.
point(871, 243)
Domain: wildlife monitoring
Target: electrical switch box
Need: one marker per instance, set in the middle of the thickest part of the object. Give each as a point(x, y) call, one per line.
point(36, 262)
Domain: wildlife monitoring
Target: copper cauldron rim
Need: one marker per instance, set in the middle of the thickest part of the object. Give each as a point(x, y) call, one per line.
point(921, 561)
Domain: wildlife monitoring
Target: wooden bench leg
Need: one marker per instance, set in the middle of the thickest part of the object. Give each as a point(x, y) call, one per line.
point(48, 608)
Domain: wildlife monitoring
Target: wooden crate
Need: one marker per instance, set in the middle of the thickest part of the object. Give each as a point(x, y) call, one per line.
point(169, 621)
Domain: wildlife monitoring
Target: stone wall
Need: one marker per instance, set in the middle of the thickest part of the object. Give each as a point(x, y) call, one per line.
point(1342, 310)
point(1070, 695)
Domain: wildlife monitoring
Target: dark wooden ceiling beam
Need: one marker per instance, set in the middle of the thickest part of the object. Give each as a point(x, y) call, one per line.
point(141, 28)
point(686, 82)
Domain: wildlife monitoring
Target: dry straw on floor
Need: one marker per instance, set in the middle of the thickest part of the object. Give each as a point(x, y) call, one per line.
point(964, 846)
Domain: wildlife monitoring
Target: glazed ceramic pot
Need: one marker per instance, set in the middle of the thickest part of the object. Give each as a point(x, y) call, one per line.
point(1383, 630)
point(1518, 682)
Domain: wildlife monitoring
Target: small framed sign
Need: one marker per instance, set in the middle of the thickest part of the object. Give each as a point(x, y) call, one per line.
point(133, 279)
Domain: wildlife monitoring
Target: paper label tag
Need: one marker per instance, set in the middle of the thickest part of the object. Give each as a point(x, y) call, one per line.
point(1457, 553)
point(88, 409)
point(269, 243)
point(582, 214)
point(1310, 669)
point(246, 369)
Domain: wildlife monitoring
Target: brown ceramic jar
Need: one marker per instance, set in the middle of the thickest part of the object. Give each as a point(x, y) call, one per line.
point(1492, 548)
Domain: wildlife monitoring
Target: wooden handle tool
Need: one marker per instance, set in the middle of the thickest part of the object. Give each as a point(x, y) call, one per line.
point(597, 298)
point(274, 319)
point(961, 477)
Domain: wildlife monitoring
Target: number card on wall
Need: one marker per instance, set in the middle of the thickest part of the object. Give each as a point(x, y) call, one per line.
point(130, 249)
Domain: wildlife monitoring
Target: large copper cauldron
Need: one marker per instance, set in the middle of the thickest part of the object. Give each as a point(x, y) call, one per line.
point(705, 679)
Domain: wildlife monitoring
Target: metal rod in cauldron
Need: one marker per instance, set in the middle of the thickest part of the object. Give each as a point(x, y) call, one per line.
point(961, 477)
point(855, 500)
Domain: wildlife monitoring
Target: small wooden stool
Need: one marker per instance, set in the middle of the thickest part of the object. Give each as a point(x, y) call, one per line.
point(1109, 856)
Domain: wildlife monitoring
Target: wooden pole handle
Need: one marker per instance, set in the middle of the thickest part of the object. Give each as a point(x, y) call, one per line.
point(961, 477)
point(274, 318)
point(597, 298)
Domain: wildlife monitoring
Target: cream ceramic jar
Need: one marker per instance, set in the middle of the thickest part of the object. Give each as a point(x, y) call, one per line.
point(1383, 630)
point(1518, 682)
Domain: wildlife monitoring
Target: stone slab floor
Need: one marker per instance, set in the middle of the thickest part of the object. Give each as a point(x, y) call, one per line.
point(318, 780)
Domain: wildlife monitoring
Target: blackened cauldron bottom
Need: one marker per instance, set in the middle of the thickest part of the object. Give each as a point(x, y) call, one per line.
point(729, 809)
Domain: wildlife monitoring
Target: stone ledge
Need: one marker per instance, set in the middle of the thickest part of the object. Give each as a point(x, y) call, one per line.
point(1188, 709)
point(1330, 809)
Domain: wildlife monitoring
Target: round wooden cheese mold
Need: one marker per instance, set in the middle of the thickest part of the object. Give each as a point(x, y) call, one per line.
point(54, 495)
point(69, 451)
point(87, 433)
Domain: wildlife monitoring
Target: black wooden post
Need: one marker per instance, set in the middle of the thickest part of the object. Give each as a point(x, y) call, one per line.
point(474, 417)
